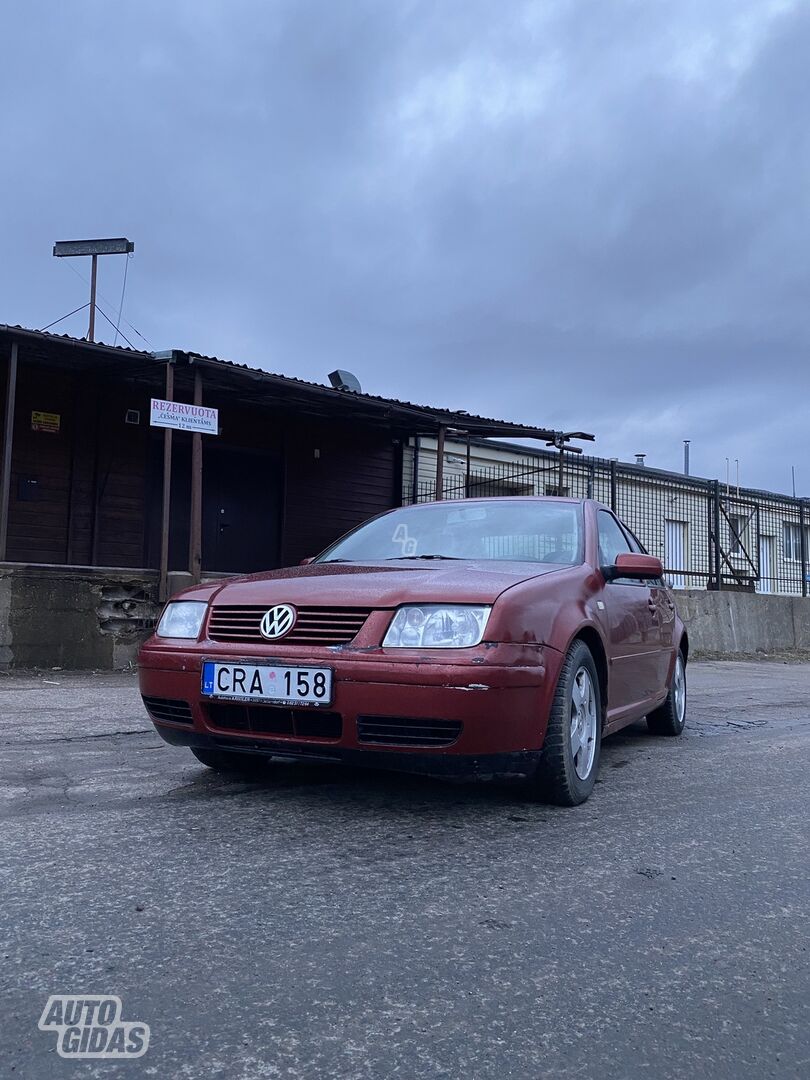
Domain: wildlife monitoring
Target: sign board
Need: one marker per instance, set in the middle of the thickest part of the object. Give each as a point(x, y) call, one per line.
point(183, 417)
point(46, 421)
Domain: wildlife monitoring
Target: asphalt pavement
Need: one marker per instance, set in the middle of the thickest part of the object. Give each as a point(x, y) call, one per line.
point(320, 922)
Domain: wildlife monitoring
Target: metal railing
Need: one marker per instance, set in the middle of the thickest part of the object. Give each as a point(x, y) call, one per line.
point(707, 535)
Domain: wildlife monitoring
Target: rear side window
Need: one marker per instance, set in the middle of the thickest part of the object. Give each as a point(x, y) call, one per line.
point(612, 541)
point(635, 544)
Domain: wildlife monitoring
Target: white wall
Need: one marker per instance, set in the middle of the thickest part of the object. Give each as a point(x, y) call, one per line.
point(643, 502)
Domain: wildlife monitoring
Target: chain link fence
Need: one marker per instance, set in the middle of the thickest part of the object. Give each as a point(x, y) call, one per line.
point(707, 536)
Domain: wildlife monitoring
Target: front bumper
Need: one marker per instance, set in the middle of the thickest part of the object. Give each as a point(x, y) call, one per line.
point(499, 695)
point(447, 764)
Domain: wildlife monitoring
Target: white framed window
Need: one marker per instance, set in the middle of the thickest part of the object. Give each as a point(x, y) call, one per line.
point(792, 540)
point(736, 528)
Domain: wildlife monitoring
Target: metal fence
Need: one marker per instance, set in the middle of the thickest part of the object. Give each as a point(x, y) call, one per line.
point(707, 536)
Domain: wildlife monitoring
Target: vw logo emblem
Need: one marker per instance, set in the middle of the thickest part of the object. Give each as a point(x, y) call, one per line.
point(277, 622)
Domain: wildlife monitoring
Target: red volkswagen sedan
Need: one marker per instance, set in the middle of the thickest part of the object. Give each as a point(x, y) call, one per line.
point(485, 637)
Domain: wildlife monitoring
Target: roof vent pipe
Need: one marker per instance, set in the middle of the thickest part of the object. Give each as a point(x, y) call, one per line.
point(640, 459)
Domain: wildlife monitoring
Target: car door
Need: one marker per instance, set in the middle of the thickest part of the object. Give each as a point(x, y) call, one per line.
point(665, 613)
point(662, 603)
point(632, 626)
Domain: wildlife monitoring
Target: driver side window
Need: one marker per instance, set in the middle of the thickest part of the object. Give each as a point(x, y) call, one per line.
point(612, 541)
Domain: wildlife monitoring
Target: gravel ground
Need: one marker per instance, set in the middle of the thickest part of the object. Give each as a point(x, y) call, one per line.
point(338, 923)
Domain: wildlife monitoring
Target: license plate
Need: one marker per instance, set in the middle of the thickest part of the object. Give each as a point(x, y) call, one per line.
point(262, 682)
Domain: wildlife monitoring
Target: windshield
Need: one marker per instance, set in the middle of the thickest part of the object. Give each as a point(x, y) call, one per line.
point(513, 530)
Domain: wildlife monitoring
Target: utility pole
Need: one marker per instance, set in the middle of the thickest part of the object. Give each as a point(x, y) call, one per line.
point(71, 248)
point(91, 329)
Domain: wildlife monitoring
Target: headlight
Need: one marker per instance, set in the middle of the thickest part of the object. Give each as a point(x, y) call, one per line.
point(182, 619)
point(437, 626)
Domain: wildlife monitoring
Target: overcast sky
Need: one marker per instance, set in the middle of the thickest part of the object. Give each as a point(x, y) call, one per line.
point(579, 214)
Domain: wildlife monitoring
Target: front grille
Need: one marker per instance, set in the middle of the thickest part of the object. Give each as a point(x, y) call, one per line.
point(269, 720)
point(313, 625)
point(402, 731)
point(168, 710)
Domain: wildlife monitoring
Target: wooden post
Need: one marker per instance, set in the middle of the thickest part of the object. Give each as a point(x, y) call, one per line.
point(195, 525)
point(8, 441)
point(415, 477)
point(165, 519)
point(440, 464)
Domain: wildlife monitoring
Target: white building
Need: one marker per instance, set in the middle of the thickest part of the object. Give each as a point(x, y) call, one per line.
point(673, 515)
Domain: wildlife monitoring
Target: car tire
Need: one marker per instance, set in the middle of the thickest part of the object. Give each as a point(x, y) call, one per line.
point(670, 718)
point(564, 776)
point(228, 761)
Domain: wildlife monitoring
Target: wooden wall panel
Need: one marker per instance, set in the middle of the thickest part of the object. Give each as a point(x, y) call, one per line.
point(78, 495)
point(121, 477)
point(40, 469)
point(351, 480)
point(89, 494)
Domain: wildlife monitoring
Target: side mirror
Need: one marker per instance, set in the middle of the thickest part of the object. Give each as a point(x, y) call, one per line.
point(307, 560)
point(631, 564)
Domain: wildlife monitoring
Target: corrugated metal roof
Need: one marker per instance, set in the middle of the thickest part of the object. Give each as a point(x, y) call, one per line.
point(476, 424)
point(12, 327)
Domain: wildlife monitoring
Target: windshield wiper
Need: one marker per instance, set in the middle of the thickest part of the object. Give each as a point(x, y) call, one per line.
point(399, 558)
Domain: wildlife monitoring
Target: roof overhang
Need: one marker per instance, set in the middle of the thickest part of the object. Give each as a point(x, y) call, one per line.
point(256, 387)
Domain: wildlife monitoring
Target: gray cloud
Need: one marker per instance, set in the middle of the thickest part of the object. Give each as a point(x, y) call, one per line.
point(582, 214)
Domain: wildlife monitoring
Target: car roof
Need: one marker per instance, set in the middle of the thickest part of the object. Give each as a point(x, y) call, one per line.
point(500, 499)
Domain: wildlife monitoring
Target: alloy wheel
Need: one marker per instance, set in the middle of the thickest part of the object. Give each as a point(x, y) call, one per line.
point(583, 723)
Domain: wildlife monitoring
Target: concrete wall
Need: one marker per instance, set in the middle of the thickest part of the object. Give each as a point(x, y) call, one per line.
point(741, 623)
point(97, 618)
point(74, 617)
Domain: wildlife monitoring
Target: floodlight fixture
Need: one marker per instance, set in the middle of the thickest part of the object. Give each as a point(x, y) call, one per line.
point(117, 245)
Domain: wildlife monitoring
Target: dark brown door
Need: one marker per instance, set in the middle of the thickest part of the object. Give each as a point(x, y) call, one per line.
point(242, 499)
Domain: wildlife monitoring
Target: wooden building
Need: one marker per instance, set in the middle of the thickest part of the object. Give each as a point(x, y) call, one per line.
point(86, 482)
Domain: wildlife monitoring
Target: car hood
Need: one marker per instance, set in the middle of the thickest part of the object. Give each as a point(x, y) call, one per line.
point(378, 586)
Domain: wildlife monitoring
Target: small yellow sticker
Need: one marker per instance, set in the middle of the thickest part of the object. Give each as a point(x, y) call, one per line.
point(46, 421)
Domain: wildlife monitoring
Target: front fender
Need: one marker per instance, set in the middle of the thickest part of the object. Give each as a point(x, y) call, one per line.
point(548, 611)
